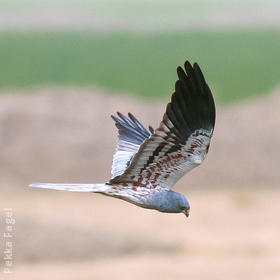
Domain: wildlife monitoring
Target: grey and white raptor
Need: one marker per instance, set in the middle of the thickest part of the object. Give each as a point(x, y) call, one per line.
point(148, 163)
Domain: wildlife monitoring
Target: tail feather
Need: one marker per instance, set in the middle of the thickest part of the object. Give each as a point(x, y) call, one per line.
point(71, 187)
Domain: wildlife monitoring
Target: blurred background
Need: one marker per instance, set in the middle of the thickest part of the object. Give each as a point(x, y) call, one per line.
point(66, 65)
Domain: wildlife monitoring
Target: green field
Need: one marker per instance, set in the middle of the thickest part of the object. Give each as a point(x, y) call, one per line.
point(237, 64)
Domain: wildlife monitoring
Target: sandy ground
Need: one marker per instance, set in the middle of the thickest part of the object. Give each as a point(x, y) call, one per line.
point(66, 135)
point(229, 235)
point(138, 16)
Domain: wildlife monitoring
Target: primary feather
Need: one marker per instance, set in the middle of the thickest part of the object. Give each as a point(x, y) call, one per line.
point(131, 135)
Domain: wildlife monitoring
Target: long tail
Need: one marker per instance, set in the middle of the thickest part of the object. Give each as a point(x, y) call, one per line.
point(72, 187)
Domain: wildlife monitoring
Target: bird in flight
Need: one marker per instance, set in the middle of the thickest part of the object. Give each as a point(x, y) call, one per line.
point(148, 163)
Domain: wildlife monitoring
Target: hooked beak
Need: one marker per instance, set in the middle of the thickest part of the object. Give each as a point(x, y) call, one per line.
point(186, 212)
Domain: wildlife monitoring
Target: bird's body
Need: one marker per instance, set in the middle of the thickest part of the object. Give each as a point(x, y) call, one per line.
point(157, 198)
point(147, 164)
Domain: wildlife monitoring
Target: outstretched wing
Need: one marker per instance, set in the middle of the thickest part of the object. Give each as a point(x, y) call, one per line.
point(182, 140)
point(131, 135)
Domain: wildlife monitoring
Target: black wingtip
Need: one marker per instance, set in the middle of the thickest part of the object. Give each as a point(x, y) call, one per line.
point(120, 114)
point(114, 118)
point(131, 116)
point(196, 67)
point(179, 69)
point(187, 65)
point(181, 73)
point(151, 129)
point(192, 101)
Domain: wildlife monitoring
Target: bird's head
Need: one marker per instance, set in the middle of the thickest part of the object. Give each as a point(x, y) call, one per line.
point(184, 206)
point(186, 211)
point(177, 203)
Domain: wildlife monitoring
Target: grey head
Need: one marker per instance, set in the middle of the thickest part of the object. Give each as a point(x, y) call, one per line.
point(171, 202)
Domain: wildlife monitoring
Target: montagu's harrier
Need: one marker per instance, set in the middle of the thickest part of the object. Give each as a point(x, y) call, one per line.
point(148, 163)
